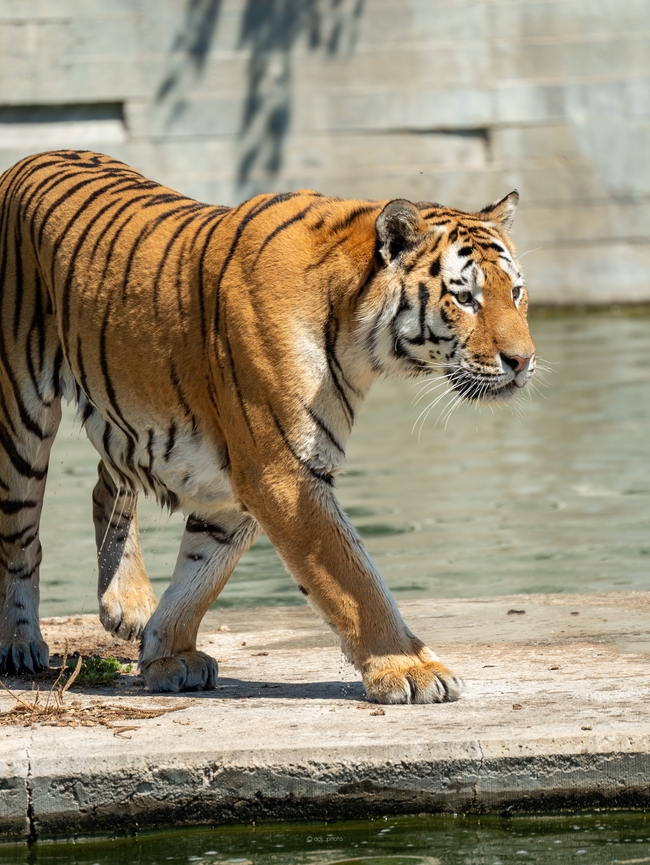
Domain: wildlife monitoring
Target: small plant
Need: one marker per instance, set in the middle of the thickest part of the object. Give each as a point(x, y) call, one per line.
point(98, 671)
point(56, 712)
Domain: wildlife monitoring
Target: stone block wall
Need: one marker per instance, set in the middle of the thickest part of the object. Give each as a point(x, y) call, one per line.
point(457, 101)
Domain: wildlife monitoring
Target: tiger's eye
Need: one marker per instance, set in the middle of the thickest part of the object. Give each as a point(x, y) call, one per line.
point(464, 296)
point(516, 293)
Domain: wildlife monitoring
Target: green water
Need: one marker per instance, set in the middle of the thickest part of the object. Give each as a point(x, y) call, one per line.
point(591, 839)
point(553, 496)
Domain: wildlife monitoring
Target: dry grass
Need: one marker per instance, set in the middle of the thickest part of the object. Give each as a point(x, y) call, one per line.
point(53, 709)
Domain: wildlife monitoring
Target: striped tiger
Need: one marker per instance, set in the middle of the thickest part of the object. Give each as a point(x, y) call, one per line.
point(218, 358)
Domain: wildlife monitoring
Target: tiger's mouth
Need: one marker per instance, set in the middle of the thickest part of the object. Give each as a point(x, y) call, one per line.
point(482, 387)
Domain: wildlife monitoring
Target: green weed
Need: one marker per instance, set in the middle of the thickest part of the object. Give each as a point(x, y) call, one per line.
point(98, 671)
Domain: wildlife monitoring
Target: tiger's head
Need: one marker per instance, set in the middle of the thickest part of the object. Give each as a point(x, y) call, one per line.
point(454, 300)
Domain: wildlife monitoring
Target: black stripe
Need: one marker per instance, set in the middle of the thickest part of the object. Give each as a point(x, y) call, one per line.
point(148, 230)
point(45, 187)
point(83, 381)
point(445, 317)
point(235, 379)
point(199, 526)
point(18, 279)
point(177, 387)
point(219, 217)
point(56, 204)
point(108, 383)
point(314, 265)
point(327, 477)
point(10, 506)
point(30, 364)
point(348, 221)
point(178, 280)
point(170, 243)
point(72, 261)
point(150, 439)
point(37, 327)
point(28, 422)
point(298, 217)
point(435, 339)
point(415, 255)
point(168, 198)
point(79, 213)
point(331, 335)
point(7, 414)
point(20, 573)
point(320, 222)
point(87, 411)
point(171, 441)
point(26, 172)
point(56, 371)
point(111, 222)
point(397, 345)
point(16, 536)
point(19, 463)
point(322, 426)
point(254, 212)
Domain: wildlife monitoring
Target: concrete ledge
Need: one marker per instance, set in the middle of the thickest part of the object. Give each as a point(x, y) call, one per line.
point(556, 713)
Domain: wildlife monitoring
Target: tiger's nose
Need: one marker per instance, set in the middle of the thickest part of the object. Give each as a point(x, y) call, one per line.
point(516, 362)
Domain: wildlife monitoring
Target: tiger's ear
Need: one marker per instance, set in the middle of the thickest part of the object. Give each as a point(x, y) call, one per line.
point(398, 227)
point(503, 211)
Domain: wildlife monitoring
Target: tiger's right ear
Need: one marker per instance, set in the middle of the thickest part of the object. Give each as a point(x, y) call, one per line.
point(398, 227)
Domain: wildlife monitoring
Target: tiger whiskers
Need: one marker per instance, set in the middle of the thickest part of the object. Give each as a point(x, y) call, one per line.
point(432, 386)
point(450, 410)
point(528, 251)
point(424, 414)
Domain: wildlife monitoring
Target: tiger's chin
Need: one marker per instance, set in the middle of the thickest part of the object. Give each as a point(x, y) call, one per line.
point(481, 392)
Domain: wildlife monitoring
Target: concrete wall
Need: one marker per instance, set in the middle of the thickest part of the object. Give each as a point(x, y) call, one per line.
point(457, 101)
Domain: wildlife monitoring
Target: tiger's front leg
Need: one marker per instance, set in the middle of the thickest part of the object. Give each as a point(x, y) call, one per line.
point(326, 557)
point(126, 599)
point(210, 549)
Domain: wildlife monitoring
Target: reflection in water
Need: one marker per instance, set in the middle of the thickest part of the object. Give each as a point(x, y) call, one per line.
point(589, 839)
point(558, 501)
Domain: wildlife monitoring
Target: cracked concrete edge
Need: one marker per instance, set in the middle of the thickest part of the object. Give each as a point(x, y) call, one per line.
point(14, 790)
point(68, 796)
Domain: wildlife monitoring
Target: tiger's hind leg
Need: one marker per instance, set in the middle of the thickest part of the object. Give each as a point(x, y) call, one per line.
point(126, 599)
point(210, 549)
point(25, 444)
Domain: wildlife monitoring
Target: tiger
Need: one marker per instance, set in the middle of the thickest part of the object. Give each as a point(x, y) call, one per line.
point(218, 358)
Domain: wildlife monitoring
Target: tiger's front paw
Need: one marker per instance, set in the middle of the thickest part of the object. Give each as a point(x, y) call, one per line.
point(125, 609)
point(24, 656)
point(187, 671)
point(421, 682)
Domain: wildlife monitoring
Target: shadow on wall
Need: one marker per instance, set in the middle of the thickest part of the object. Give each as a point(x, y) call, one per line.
point(190, 51)
point(270, 30)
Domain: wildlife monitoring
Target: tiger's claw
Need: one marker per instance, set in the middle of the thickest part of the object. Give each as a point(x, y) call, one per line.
point(428, 682)
point(24, 657)
point(187, 671)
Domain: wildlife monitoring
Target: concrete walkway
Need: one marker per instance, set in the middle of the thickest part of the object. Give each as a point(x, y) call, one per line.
point(556, 713)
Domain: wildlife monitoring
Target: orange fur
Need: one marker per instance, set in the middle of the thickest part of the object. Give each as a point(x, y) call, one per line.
point(218, 358)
